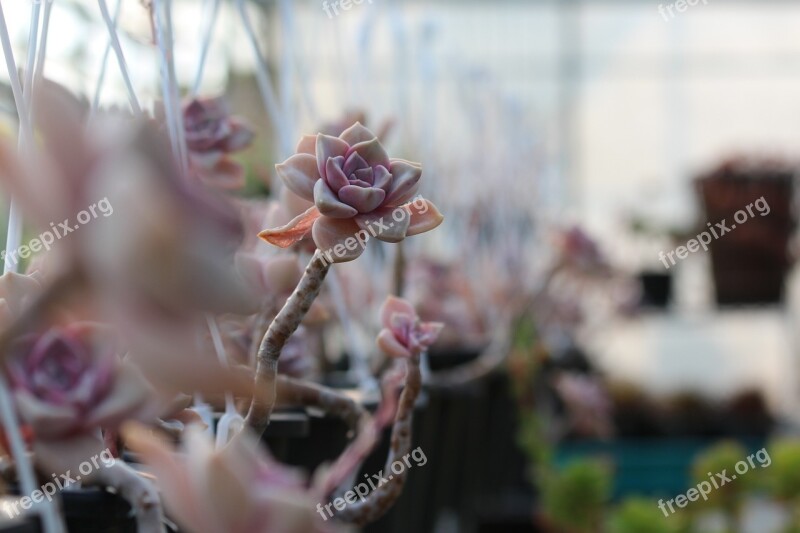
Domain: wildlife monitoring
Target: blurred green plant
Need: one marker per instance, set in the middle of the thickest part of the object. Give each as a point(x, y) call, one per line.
point(530, 439)
point(783, 482)
point(523, 365)
point(575, 497)
point(729, 496)
point(639, 515)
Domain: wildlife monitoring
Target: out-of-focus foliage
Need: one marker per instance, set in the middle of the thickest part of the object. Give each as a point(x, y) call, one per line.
point(575, 497)
point(637, 515)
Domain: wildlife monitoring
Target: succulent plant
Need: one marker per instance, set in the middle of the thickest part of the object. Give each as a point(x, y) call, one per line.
point(211, 134)
point(403, 334)
point(357, 190)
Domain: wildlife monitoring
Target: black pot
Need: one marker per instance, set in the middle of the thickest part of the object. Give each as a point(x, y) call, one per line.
point(94, 510)
point(286, 426)
point(445, 359)
point(29, 524)
point(86, 510)
point(656, 289)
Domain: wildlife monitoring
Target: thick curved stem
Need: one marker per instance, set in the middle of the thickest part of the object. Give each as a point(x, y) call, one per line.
point(295, 392)
point(380, 500)
point(140, 493)
point(279, 331)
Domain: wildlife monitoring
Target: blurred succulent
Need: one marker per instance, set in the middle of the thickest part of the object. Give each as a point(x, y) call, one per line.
point(574, 498)
point(161, 243)
point(212, 134)
point(636, 515)
point(533, 441)
point(16, 293)
point(579, 251)
point(443, 292)
point(783, 482)
point(69, 381)
point(719, 458)
point(236, 489)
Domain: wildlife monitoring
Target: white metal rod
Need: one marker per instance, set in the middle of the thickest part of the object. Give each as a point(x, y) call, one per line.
point(265, 84)
point(123, 67)
point(104, 63)
point(172, 107)
point(51, 519)
point(208, 32)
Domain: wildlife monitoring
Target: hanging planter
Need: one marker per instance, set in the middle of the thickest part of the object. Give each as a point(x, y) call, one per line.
point(748, 208)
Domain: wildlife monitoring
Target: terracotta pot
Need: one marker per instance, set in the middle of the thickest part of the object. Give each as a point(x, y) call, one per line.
point(749, 262)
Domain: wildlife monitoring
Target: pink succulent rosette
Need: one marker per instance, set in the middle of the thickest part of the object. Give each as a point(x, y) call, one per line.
point(355, 187)
point(403, 334)
point(67, 383)
point(212, 134)
point(235, 489)
point(70, 380)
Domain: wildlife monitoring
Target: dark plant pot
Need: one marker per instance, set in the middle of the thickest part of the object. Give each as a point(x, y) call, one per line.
point(440, 359)
point(285, 427)
point(86, 510)
point(93, 510)
point(22, 525)
point(750, 262)
point(656, 289)
point(457, 430)
point(683, 416)
point(324, 441)
point(340, 379)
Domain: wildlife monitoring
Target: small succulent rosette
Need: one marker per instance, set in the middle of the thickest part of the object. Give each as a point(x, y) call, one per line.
point(403, 334)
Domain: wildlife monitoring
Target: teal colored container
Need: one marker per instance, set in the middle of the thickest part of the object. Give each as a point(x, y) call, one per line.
point(646, 467)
